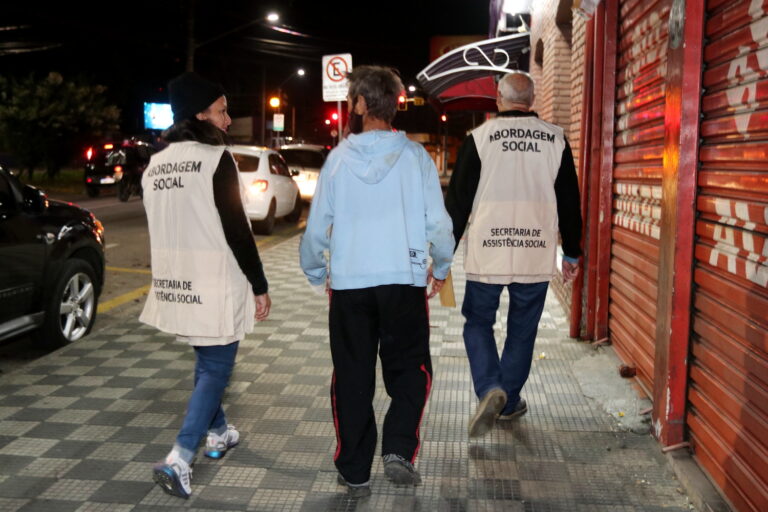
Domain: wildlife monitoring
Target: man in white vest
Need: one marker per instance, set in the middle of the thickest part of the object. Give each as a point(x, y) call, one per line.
point(513, 188)
point(207, 279)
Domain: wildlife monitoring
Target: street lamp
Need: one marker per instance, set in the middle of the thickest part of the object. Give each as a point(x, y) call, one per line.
point(300, 73)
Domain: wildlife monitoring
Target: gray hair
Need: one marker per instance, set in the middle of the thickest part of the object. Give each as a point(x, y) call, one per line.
point(516, 87)
point(379, 86)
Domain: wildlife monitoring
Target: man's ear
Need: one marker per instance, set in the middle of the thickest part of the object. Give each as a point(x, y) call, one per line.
point(361, 107)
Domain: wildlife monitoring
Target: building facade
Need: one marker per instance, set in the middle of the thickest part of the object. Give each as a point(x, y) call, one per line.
point(665, 103)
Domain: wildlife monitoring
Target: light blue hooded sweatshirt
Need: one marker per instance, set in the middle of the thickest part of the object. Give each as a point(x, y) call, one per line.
point(378, 207)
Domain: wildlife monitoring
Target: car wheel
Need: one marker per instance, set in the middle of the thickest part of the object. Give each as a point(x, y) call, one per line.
point(92, 191)
point(71, 309)
point(266, 226)
point(295, 214)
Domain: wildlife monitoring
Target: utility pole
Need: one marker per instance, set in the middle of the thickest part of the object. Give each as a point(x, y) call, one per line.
point(263, 103)
point(190, 35)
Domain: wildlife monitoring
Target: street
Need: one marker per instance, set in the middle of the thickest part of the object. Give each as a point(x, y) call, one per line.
point(127, 268)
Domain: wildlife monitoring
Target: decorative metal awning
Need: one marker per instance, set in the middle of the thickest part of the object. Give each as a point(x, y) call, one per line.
point(463, 79)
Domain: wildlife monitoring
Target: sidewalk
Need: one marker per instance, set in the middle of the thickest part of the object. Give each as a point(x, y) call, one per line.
point(80, 428)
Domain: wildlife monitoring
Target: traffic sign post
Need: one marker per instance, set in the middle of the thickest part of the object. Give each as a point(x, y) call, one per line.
point(278, 122)
point(335, 84)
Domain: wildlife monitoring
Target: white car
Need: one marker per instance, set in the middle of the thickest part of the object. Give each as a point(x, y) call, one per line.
point(305, 161)
point(270, 189)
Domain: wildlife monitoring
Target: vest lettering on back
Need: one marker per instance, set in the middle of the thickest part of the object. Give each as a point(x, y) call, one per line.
point(513, 227)
point(165, 169)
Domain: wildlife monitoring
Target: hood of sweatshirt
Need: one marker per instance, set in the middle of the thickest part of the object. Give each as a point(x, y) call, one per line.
point(371, 155)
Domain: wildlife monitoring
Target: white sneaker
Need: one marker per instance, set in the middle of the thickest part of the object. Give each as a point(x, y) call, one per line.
point(173, 476)
point(217, 445)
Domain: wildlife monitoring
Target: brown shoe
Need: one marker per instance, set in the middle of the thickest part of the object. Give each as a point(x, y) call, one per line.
point(487, 412)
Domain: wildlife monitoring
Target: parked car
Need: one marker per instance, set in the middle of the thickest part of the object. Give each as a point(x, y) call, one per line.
point(305, 161)
point(270, 189)
point(51, 265)
point(116, 164)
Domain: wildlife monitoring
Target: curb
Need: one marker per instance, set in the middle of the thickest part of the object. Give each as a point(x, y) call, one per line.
point(695, 483)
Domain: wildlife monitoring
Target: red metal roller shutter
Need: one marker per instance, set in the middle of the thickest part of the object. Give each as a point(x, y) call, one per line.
point(728, 394)
point(639, 142)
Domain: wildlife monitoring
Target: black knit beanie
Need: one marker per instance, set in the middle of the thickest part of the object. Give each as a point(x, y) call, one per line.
point(190, 94)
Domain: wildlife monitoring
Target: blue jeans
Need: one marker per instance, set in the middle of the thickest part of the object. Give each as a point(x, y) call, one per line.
point(213, 368)
point(481, 301)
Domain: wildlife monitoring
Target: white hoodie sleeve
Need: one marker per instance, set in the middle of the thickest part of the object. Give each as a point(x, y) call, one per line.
point(316, 238)
point(438, 222)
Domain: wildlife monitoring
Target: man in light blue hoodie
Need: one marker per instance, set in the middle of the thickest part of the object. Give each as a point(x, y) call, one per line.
point(378, 210)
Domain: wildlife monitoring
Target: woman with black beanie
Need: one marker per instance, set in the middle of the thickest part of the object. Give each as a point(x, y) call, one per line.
point(208, 283)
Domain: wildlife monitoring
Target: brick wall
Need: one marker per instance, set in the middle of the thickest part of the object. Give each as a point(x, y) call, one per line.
point(558, 71)
point(553, 87)
point(577, 86)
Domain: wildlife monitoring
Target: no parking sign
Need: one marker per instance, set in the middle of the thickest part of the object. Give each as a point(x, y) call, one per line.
point(335, 69)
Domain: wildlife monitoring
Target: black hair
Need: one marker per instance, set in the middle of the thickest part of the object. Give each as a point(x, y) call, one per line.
point(198, 131)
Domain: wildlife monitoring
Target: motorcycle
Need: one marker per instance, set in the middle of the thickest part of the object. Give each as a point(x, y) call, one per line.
point(130, 184)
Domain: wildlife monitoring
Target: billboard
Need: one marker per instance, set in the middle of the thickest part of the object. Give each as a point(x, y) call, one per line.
point(157, 116)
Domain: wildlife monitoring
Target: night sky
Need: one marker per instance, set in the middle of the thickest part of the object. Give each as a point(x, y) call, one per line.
point(135, 47)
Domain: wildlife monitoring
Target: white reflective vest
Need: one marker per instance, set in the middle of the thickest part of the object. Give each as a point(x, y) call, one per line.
point(198, 289)
point(512, 232)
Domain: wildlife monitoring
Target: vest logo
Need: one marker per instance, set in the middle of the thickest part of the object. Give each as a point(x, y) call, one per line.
point(521, 133)
point(525, 238)
point(170, 182)
point(164, 291)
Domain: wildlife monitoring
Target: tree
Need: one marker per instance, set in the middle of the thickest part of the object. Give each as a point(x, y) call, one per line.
point(42, 121)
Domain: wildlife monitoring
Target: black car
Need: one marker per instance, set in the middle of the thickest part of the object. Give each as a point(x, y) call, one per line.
point(118, 165)
point(51, 265)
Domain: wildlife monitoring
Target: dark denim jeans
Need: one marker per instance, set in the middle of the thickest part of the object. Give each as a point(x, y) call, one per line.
point(212, 371)
point(481, 301)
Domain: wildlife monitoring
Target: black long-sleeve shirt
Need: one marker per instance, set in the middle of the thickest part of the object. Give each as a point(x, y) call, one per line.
point(226, 195)
point(466, 177)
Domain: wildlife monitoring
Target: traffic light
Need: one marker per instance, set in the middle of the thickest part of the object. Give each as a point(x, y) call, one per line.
point(444, 118)
point(274, 102)
point(335, 116)
point(402, 103)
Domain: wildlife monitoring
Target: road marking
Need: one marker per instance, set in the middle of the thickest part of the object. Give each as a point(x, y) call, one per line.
point(132, 270)
point(122, 299)
point(111, 246)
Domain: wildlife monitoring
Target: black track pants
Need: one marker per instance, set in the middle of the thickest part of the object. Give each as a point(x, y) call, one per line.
point(392, 320)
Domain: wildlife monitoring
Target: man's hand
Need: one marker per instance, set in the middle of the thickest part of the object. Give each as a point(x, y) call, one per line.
point(263, 303)
point(570, 271)
point(437, 284)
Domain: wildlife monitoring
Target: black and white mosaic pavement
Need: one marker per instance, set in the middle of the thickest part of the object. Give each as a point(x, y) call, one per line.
point(80, 428)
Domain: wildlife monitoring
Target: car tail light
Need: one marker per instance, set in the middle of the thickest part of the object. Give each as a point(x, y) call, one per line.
point(89, 180)
point(109, 146)
point(259, 186)
point(89, 154)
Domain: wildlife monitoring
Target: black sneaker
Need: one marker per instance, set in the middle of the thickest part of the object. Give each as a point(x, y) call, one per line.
point(520, 409)
point(487, 412)
point(400, 471)
point(355, 490)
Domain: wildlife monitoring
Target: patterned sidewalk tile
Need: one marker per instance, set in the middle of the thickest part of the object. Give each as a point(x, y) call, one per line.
point(81, 427)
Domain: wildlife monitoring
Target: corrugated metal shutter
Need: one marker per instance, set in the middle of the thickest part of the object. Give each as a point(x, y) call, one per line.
point(728, 393)
point(639, 144)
